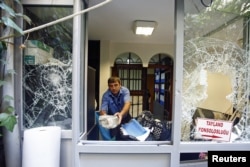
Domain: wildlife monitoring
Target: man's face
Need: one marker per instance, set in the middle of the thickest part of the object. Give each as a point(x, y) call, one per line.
point(114, 87)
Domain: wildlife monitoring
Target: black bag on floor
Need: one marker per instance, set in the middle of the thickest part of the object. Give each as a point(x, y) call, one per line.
point(159, 129)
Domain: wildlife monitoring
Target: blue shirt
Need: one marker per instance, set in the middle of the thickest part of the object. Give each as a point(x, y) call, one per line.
point(113, 104)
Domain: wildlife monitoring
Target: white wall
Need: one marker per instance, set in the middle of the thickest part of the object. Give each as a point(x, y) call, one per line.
point(110, 50)
point(124, 160)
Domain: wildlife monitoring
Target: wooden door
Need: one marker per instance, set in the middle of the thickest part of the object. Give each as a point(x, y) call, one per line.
point(133, 76)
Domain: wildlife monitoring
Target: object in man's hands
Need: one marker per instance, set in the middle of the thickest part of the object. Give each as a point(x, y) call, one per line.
point(108, 121)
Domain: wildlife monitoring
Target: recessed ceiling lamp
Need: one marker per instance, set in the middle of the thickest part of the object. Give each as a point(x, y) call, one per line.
point(142, 27)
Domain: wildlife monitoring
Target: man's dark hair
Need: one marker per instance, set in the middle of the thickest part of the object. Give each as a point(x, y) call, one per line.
point(114, 79)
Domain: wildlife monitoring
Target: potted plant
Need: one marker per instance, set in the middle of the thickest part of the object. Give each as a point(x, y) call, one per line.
point(7, 24)
point(8, 118)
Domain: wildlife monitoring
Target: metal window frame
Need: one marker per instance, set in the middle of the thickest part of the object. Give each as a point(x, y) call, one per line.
point(175, 147)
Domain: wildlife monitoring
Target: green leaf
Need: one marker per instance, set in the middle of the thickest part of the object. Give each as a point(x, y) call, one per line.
point(8, 22)
point(11, 71)
point(26, 18)
point(3, 45)
point(2, 82)
point(9, 110)
point(8, 121)
point(3, 61)
point(7, 9)
point(8, 98)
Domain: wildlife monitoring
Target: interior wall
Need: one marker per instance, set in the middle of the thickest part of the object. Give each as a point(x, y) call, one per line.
point(110, 50)
point(105, 70)
point(144, 51)
point(151, 87)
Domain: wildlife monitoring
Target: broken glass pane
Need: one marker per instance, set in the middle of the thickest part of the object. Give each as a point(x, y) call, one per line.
point(215, 69)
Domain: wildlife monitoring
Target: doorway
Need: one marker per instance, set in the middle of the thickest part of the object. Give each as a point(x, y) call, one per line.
point(162, 66)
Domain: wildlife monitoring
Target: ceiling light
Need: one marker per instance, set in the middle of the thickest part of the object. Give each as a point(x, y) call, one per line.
point(144, 27)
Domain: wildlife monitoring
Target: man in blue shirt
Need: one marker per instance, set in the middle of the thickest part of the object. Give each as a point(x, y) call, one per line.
point(116, 101)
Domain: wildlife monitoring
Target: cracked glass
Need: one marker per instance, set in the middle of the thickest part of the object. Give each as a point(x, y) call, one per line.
point(216, 71)
point(47, 69)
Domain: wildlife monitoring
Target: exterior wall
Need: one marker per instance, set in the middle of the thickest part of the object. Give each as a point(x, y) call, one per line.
point(12, 141)
point(125, 160)
point(66, 149)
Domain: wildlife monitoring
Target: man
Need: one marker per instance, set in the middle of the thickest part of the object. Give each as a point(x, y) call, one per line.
point(116, 101)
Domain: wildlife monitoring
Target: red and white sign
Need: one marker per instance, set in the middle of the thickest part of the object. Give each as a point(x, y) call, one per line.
point(213, 129)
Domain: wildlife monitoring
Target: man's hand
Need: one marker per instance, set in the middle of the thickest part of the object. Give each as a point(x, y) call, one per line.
point(119, 115)
point(103, 112)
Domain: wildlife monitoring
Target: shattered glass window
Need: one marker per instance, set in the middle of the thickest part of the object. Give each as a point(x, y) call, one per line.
point(47, 69)
point(216, 70)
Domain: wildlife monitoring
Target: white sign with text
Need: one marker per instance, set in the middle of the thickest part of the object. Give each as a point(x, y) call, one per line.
point(213, 129)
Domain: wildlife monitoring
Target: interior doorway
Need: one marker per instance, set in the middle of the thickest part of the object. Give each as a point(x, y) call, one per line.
point(162, 66)
point(128, 66)
point(151, 87)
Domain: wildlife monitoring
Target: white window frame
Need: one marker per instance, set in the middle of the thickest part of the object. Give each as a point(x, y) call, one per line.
point(173, 148)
